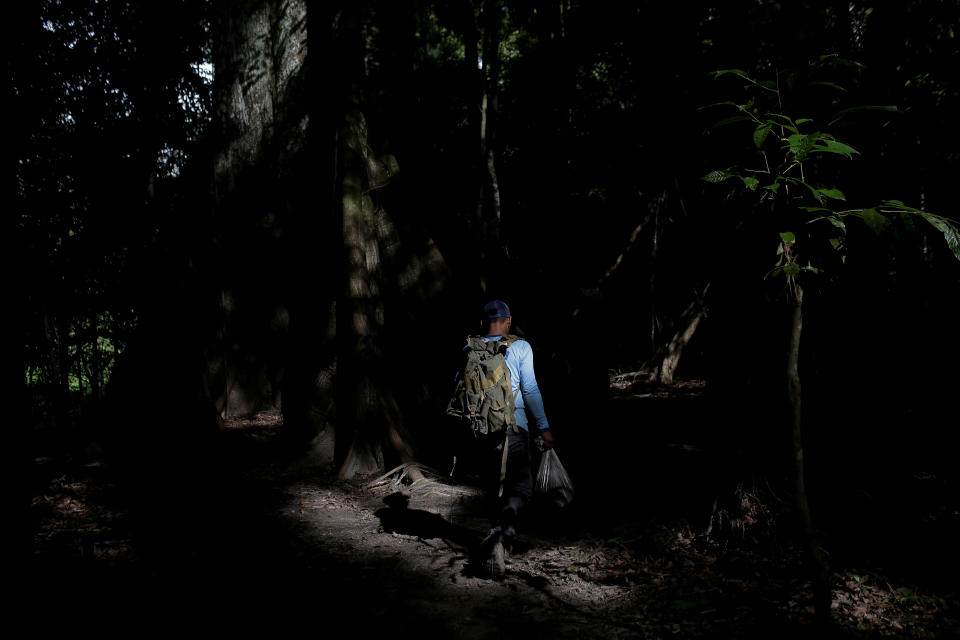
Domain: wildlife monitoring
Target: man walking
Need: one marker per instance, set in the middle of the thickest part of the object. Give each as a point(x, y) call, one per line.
point(515, 486)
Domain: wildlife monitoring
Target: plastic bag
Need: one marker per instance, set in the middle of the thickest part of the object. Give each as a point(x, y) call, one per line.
point(552, 481)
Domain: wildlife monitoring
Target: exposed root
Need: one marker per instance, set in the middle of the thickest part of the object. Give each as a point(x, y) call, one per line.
point(412, 472)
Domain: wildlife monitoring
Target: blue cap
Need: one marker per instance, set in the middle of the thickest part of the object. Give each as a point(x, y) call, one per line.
point(496, 309)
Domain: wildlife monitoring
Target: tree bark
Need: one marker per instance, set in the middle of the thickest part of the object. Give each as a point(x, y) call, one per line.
point(370, 425)
point(261, 113)
point(290, 118)
point(369, 416)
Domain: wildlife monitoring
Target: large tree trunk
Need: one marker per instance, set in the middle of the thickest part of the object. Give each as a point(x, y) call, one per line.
point(261, 111)
point(299, 187)
point(369, 424)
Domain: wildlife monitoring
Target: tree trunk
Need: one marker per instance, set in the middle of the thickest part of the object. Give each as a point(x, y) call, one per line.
point(819, 570)
point(489, 213)
point(369, 416)
point(290, 118)
point(96, 357)
point(261, 113)
point(370, 425)
point(16, 458)
point(670, 355)
point(655, 323)
point(675, 349)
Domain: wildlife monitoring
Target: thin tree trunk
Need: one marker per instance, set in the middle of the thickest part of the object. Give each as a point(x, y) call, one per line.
point(489, 213)
point(81, 359)
point(96, 358)
point(681, 339)
point(654, 254)
point(669, 356)
point(471, 54)
point(819, 569)
point(58, 370)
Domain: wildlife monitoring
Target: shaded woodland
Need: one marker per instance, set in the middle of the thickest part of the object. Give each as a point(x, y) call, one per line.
point(728, 231)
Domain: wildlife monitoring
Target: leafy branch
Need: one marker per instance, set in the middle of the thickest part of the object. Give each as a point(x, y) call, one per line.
point(787, 146)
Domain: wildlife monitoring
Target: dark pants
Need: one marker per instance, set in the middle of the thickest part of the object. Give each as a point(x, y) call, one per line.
point(517, 483)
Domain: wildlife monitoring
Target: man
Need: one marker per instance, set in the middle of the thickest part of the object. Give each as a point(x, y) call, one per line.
point(518, 479)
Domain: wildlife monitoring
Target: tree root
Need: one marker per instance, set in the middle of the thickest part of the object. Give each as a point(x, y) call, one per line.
point(414, 471)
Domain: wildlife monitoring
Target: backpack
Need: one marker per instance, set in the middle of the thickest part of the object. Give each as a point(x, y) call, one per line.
point(483, 397)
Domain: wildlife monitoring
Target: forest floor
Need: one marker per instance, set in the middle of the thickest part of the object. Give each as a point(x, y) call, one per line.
point(271, 544)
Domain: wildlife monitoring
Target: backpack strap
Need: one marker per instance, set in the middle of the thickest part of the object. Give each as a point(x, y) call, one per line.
point(503, 461)
point(478, 341)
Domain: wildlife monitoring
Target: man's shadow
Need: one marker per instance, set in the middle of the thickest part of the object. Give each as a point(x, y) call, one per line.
point(398, 517)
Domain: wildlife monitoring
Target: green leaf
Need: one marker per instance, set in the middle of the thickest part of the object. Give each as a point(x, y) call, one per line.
point(830, 145)
point(867, 107)
point(836, 59)
point(810, 269)
point(801, 121)
point(791, 269)
point(837, 222)
point(831, 85)
point(800, 144)
point(736, 72)
point(836, 194)
point(950, 232)
point(814, 192)
point(780, 120)
point(788, 237)
point(724, 103)
point(750, 182)
point(717, 176)
point(760, 135)
point(899, 205)
point(874, 219)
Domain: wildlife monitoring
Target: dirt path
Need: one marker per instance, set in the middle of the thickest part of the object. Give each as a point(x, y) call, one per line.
point(407, 548)
point(415, 543)
point(256, 543)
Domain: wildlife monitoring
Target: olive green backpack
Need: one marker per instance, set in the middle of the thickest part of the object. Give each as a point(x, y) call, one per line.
point(483, 397)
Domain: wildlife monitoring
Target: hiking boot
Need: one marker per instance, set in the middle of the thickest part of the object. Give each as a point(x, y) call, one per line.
point(495, 562)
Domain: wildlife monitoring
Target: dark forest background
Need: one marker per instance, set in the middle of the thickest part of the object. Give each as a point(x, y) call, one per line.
point(216, 209)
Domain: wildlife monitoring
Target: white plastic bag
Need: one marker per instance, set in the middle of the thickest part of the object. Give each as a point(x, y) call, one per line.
point(552, 480)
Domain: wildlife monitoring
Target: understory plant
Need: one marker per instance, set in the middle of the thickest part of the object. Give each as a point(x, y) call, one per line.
point(789, 183)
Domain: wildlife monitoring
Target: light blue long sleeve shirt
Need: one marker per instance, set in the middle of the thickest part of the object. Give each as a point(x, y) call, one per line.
point(519, 359)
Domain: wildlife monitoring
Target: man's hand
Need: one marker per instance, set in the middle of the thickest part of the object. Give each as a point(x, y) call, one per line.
point(547, 439)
